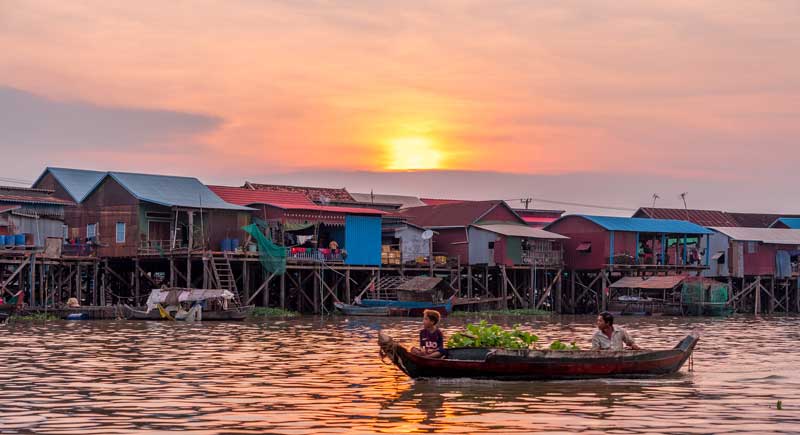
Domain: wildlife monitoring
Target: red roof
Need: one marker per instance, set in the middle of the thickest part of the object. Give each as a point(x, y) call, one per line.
point(319, 194)
point(242, 196)
point(712, 218)
point(284, 200)
point(758, 220)
point(5, 208)
point(706, 218)
point(538, 219)
point(30, 196)
point(454, 214)
point(440, 201)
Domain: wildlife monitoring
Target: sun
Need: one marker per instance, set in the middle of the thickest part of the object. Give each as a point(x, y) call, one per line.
point(413, 152)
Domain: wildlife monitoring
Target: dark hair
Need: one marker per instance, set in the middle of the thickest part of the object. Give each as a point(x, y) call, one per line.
point(607, 317)
point(432, 315)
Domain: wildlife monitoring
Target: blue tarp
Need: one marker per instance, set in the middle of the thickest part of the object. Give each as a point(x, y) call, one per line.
point(642, 225)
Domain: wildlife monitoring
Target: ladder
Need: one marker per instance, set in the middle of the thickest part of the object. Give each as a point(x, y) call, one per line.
point(223, 274)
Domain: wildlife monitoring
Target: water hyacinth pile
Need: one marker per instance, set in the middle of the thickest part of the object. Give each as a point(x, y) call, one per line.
point(559, 345)
point(492, 336)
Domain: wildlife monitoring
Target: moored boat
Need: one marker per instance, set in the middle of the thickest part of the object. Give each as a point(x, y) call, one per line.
point(358, 310)
point(498, 364)
point(409, 308)
point(189, 304)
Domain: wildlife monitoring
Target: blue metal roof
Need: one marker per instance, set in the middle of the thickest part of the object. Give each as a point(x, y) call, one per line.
point(77, 182)
point(172, 191)
point(793, 223)
point(643, 225)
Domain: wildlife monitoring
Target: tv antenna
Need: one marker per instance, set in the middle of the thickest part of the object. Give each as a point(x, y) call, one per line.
point(655, 197)
point(685, 207)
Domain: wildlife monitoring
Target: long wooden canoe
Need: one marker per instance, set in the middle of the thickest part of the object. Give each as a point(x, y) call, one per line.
point(538, 364)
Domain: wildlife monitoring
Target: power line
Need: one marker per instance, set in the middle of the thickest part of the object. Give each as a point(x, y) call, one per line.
point(15, 181)
point(574, 204)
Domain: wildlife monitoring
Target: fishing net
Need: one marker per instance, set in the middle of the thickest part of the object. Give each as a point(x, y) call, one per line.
point(693, 296)
point(719, 294)
point(272, 256)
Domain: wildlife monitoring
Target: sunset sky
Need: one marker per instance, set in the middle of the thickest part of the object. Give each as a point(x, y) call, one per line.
point(602, 102)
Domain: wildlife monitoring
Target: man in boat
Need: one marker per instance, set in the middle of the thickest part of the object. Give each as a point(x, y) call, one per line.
point(431, 339)
point(610, 337)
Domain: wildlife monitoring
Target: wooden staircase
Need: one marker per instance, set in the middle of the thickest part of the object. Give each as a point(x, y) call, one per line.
point(223, 274)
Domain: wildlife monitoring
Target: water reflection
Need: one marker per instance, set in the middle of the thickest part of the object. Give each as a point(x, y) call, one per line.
point(315, 375)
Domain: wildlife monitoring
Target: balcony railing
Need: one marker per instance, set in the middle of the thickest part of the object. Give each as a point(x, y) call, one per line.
point(542, 258)
point(78, 249)
point(314, 255)
point(157, 247)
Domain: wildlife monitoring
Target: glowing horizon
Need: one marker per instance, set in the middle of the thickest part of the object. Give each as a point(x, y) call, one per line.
point(514, 88)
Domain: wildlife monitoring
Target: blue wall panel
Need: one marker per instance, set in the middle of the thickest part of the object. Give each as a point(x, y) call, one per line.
point(362, 236)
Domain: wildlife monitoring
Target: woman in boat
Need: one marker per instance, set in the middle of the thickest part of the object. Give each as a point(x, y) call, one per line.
point(610, 337)
point(431, 339)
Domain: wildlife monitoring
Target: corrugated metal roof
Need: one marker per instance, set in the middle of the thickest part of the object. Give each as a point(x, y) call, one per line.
point(793, 223)
point(651, 282)
point(329, 208)
point(440, 201)
point(318, 194)
point(30, 196)
point(77, 182)
point(706, 218)
point(172, 191)
point(644, 225)
point(776, 236)
point(7, 208)
point(538, 220)
point(520, 231)
point(757, 220)
point(402, 200)
point(454, 214)
point(284, 200)
point(242, 196)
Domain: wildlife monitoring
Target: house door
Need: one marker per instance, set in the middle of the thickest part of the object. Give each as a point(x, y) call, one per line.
point(158, 231)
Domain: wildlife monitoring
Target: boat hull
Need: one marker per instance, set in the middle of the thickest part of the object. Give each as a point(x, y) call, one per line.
point(409, 308)
point(356, 310)
point(538, 365)
point(223, 315)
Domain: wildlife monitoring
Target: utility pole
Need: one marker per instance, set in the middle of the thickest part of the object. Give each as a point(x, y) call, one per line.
point(683, 197)
point(526, 201)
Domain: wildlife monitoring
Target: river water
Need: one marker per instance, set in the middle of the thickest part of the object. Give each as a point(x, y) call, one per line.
point(315, 375)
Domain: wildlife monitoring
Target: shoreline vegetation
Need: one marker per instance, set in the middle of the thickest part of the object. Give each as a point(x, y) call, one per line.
point(34, 317)
point(263, 312)
point(501, 313)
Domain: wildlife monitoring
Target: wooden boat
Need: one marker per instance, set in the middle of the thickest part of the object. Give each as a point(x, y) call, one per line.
point(359, 310)
point(538, 364)
point(234, 314)
point(409, 308)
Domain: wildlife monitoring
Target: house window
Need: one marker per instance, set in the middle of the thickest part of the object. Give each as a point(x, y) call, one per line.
point(91, 231)
point(65, 232)
point(584, 247)
point(120, 232)
point(752, 247)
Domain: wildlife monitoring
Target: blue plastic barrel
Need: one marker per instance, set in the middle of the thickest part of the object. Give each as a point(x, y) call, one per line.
point(19, 239)
point(10, 240)
point(234, 244)
point(2, 240)
point(226, 244)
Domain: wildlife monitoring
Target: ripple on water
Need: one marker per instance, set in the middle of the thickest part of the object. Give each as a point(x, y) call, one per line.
point(313, 375)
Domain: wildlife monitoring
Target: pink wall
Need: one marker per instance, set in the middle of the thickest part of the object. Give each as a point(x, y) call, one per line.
point(501, 214)
point(762, 262)
point(443, 243)
point(580, 230)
